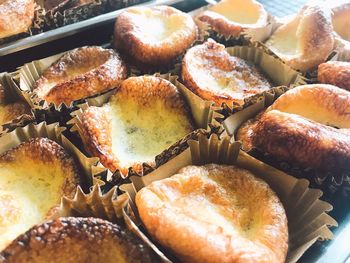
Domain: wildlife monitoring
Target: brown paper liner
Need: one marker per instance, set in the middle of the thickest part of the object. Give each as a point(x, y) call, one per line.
point(307, 215)
point(331, 184)
point(11, 96)
point(202, 113)
point(90, 166)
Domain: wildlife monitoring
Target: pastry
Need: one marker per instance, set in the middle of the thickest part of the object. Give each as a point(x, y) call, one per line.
point(144, 117)
point(336, 73)
point(154, 36)
point(230, 17)
point(81, 73)
point(33, 178)
point(78, 240)
point(10, 111)
point(305, 41)
point(215, 213)
point(16, 16)
point(214, 75)
point(341, 22)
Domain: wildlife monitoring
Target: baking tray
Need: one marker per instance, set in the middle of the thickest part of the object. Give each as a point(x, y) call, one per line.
point(71, 29)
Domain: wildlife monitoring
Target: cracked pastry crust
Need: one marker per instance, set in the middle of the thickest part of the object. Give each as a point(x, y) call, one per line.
point(336, 73)
point(310, 144)
point(215, 213)
point(16, 16)
point(81, 73)
point(78, 240)
point(143, 118)
point(230, 17)
point(154, 36)
point(213, 74)
point(33, 178)
point(306, 41)
point(10, 111)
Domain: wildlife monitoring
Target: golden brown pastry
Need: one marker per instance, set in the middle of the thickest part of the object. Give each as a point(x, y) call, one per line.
point(341, 21)
point(10, 111)
point(154, 36)
point(33, 178)
point(81, 73)
point(293, 138)
point(336, 73)
point(144, 117)
point(231, 17)
point(78, 240)
point(213, 74)
point(16, 16)
point(215, 213)
point(305, 41)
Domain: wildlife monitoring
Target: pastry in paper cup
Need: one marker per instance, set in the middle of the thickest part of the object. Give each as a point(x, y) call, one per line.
point(231, 77)
point(61, 80)
point(14, 111)
point(36, 161)
point(300, 117)
point(231, 19)
point(306, 214)
point(161, 96)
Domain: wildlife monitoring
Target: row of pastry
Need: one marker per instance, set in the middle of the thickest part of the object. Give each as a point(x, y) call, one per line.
point(208, 213)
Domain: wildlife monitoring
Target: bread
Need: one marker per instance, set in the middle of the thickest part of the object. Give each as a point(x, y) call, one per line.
point(81, 73)
point(336, 73)
point(33, 178)
point(143, 118)
point(154, 36)
point(305, 41)
point(16, 16)
point(215, 213)
point(341, 21)
point(213, 74)
point(78, 240)
point(231, 17)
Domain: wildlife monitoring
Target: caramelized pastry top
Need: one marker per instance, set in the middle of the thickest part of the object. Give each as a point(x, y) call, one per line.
point(16, 16)
point(81, 73)
point(215, 213)
point(213, 74)
point(33, 178)
point(336, 73)
point(78, 240)
point(144, 117)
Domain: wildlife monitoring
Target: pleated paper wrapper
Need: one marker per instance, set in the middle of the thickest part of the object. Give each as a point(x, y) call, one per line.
point(332, 184)
point(201, 111)
point(307, 215)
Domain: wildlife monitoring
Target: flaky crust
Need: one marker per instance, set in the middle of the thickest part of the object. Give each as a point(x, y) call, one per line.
point(336, 73)
point(78, 240)
point(298, 140)
point(144, 91)
point(321, 103)
point(305, 41)
point(215, 16)
point(16, 16)
point(215, 213)
point(81, 73)
point(209, 62)
point(134, 38)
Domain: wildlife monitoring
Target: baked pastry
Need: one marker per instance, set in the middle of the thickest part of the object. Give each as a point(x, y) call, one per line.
point(33, 178)
point(336, 73)
point(78, 240)
point(305, 41)
point(215, 213)
point(341, 22)
point(230, 17)
point(298, 140)
point(308, 125)
point(213, 74)
point(10, 111)
point(144, 117)
point(154, 36)
point(16, 16)
point(81, 73)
